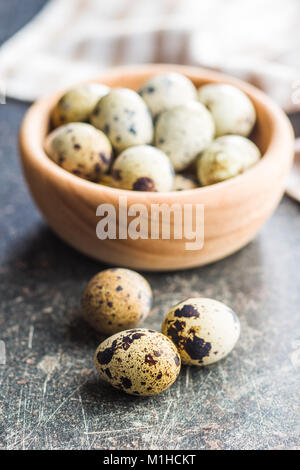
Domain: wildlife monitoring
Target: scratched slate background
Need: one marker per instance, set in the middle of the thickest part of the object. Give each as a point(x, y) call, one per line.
point(50, 395)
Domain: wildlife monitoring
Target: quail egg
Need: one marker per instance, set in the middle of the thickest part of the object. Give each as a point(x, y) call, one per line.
point(78, 103)
point(183, 132)
point(232, 110)
point(138, 361)
point(80, 149)
point(184, 182)
point(143, 168)
point(165, 91)
point(116, 299)
point(203, 330)
point(124, 117)
point(226, 157)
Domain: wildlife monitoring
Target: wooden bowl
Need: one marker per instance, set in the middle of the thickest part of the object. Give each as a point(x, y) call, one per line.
point(234, 210)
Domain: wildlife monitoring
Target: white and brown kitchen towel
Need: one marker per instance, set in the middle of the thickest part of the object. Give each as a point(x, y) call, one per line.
point(70, 40)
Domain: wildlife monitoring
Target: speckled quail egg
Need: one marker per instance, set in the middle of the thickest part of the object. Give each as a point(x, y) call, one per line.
point(143, 168)
point(226, 157)
point(165, 91)
point(80, 149)
point(78, 103)
point(184, 182)
point(232, 110)
point(183, 132)
point(203, 330)
point(116, 299)
point(139, 361)
point(124, 117)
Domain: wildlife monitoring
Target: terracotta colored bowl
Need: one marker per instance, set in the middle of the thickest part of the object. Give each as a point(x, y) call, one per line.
point(234, 210)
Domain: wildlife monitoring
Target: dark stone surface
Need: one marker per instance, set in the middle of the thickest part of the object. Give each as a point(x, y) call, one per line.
point(51, 398)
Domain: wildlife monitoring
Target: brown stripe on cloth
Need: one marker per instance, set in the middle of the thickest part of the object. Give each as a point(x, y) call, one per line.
point(172, 47)
point(140, 45)
point(68, 21)
point(183, 51)
point(113, 48)
point(161, 49)
point(121, 42)
point(160, 38)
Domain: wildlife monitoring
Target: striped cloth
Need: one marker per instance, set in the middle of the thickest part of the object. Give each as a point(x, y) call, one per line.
point(69, 41)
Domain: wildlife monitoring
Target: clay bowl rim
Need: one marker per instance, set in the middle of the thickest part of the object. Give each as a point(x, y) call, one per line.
point(39, 113)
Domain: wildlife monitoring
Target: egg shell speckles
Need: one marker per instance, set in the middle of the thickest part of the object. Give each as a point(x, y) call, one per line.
point(80, 149)
point(232, 110)
point(116, 299)
point(203, 330)
point(138, 361)
point(183, 132)
point(124, 117)
point(165, 91)
point(226, 157)
point(77, 104)
point(143, 168)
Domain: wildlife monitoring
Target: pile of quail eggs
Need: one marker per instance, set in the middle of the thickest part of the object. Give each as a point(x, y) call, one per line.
point(168, 136)
point(144, 362)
